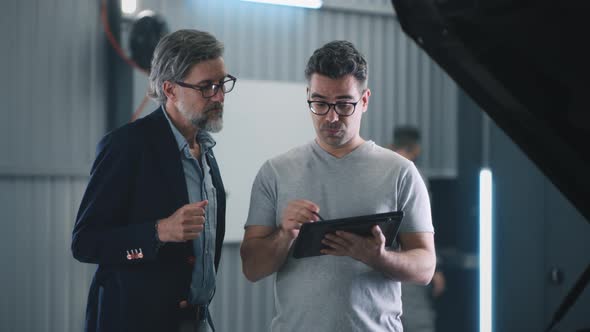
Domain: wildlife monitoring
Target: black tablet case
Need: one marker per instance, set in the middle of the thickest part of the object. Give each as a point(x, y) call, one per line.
point(308, 243)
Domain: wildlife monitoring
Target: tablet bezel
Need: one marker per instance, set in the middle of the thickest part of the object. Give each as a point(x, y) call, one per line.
point(308, 242)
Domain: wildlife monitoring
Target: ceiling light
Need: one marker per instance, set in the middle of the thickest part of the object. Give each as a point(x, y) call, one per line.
point(294, 3)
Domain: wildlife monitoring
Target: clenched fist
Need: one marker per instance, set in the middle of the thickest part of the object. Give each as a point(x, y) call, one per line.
point(184, 224)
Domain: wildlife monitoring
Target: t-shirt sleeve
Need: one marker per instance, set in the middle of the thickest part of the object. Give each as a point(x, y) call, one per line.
point(263, 198)
point(414, 201)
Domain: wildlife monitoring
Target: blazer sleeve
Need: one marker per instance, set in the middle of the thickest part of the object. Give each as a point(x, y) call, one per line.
point(103, 233)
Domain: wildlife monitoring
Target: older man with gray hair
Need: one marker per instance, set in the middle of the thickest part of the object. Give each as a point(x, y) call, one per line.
point(153, 214)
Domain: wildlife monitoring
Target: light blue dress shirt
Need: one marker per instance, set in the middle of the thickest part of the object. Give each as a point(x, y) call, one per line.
point(200, 187)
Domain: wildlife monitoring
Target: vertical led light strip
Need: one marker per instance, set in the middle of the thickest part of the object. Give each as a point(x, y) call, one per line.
point(485, 251)
point(295, 3)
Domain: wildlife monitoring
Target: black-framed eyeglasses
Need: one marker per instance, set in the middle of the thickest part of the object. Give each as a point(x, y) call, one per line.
point(341, 108)
point(226, 85)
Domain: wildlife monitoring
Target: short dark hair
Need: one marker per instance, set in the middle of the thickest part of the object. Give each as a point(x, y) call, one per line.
point(405, 137)
point(175, 55)
point(337, 59)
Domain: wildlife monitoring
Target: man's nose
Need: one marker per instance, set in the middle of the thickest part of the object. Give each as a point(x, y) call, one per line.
point(332, 116)
point(219, 96)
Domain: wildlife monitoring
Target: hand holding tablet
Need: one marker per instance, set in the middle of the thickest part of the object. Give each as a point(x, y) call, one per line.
point(309, 241)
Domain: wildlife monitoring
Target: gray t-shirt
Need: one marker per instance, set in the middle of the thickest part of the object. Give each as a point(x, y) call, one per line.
point(329, 293)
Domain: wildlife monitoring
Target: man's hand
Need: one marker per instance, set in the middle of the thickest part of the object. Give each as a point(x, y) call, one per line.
point(297, 213)
point(438, 283)
point(365, 249)
point(184, 224)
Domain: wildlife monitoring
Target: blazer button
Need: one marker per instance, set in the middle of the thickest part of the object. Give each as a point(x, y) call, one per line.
point(190, 260)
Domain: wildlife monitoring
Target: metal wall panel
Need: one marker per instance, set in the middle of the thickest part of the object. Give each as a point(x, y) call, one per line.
point(240, 305)
point(43, 287)
point(53, 91)
point(52, 117)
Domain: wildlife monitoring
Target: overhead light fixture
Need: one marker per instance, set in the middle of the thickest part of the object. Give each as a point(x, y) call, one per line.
point(294, 3)
point(128, 7)
point(486, 231)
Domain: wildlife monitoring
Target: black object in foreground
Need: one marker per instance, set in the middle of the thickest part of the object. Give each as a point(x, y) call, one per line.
point(309, 241)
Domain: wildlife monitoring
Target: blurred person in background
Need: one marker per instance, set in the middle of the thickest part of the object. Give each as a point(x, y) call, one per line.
point(418, 310)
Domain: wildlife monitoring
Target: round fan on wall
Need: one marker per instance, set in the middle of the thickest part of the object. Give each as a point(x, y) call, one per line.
point(147, 28)
point(145, 33)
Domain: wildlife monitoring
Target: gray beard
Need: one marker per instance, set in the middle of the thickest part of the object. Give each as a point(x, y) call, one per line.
point(209, 125)
point(202, 121)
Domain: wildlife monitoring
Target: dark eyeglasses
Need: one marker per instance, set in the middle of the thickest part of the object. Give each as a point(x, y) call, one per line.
point(341, 108)
point(210, 90)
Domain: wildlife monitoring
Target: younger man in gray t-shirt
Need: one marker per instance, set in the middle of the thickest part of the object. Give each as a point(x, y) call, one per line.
point(355, 286)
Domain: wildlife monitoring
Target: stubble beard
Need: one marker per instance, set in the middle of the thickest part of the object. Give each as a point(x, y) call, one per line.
point(333, 140)
point(207, 120)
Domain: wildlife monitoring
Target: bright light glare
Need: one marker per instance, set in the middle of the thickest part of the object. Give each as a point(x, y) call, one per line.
point(295, 3)
point(128, 6)
point(485, 251)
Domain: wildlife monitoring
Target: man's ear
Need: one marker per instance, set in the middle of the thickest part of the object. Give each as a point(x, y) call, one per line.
point(365, 99)
point(169, 90)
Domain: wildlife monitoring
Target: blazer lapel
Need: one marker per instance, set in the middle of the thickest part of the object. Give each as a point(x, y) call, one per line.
point(168, 157)
point(218, 183)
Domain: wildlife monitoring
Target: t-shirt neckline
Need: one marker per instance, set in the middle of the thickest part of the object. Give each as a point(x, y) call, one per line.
point(317, 147)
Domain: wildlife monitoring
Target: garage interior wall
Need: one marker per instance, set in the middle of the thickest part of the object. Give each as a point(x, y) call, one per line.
point(53, 113)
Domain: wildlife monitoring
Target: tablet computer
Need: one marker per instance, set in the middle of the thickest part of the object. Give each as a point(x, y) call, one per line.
point(309, 241)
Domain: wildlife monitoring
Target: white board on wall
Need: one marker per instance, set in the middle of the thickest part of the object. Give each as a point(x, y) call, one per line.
point(261, 119)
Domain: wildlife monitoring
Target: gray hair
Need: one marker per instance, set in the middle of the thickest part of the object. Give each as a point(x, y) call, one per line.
point(405, 137)
point(337, 59)
point(176, 54)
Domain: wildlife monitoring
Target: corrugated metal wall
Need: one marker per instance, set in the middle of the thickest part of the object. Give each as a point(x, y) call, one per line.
point(53, 111)
point(54, 107)
point(53, 86)
point(43, 287)
point(240, 305)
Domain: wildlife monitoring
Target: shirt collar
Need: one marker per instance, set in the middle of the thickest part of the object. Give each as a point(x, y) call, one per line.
point(204, 138)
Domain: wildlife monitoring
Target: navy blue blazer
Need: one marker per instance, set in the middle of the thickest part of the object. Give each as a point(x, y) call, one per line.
point(136, 179)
